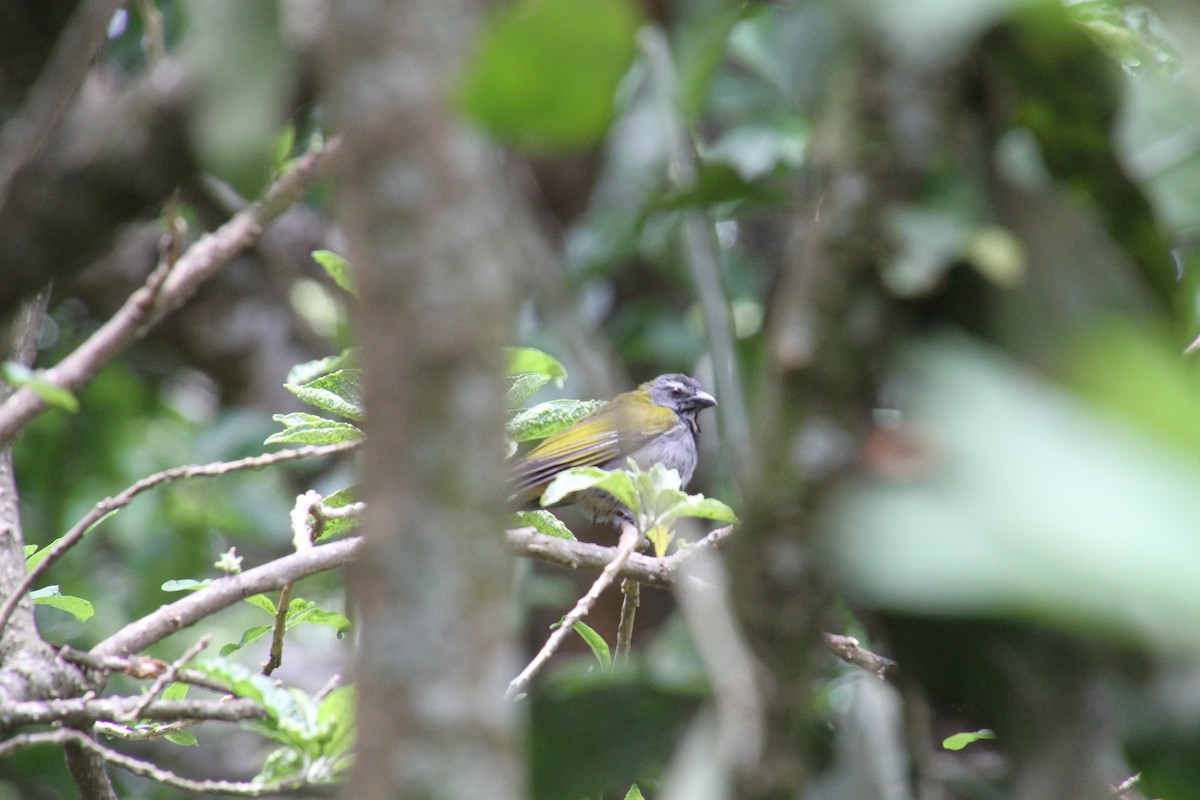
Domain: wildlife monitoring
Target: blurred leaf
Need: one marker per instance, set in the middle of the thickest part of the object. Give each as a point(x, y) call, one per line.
point(185, 585)
point(519, 360)
point(634, 793)
point(546, 71)
point(338, 268)
point(309, 429)
point(21, 376)
point(596, 732)
point(544, 522)
point(184, 738)
point(720, 185)
point(338, 392)
point(547, 419)
point(1032, 507)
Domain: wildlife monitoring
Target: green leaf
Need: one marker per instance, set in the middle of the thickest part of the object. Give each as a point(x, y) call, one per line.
point(617, 483)
point(338, 268)
point(544, 521)
point(52, 596)
point(521, 387)
point(309, 429)
point(176, 691)
point(547, 419)
point(249, 636)
point(338, 392)
point(21, 376)
point(520, 360)
point(263, 602)
point(546, 72)
point(634, 793)
point(960, 740)
point(338, 711)
point(701, 507)
point(596, 642)
point(185, 585)
point(311, 370)
point(185, 738)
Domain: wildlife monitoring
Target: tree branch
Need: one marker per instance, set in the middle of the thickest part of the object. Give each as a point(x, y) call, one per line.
point(111, 504)
point(225, 592)
point(80, 711)
point(161, 296)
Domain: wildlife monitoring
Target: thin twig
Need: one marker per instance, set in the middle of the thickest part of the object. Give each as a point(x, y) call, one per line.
point(630, 539)
point(631, 597)
point(167, 677)
point(226, 591)
point(142, 667)
point(86, 710)
point(155, 773)
point(849, 650)
point(275, 658)
point(110, 504)
point(152, 302)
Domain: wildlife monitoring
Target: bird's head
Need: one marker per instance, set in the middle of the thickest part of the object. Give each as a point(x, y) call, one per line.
point(680, 393)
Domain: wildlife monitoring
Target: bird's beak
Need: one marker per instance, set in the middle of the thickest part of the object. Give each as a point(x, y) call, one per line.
point(703, 400)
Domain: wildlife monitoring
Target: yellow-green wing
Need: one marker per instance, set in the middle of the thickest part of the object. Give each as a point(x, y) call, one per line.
point(612, 432)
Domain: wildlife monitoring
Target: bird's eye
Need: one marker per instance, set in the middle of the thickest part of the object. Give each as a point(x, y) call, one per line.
point(677, 391)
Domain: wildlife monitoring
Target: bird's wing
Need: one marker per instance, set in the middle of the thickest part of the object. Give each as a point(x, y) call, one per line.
point(610, 433)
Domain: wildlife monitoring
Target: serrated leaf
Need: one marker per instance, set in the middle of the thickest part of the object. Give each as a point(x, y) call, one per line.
point(21, 376)
point(311, 370)
point(338, 268)
point(521, 387)
point(309, 429)
point(520, 360)
point(183, 738)
point(547, 419)
point(338, 392)
point(52, 596)
point(596, 642)
point(544, 522)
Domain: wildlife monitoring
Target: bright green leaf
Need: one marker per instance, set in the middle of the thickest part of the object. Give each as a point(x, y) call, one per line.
point(51, 596)
point(960, 740)
point(263, 602)
point(311, 370)
point(338, 392)
point(185, 585)
point(596, 642)
point(309, 429)
point(21, 376)
point(547, 419)
point(338, 268)
point(520, 360)
point(544, 522)
point(184, 738)
point(546, 72)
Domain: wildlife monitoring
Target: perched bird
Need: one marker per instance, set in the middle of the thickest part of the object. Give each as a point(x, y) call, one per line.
point(653, 424)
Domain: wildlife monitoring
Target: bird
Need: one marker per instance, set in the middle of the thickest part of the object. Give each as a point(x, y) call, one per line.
point(655, 423)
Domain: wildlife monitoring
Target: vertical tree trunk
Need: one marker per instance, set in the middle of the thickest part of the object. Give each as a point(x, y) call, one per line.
point(417, 205)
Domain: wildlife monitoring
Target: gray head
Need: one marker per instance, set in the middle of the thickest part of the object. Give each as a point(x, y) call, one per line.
point(679, 392)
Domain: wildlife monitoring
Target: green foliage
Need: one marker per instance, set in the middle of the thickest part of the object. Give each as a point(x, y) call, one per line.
point(528, 370)
point(338, 268)
point(316, 735)
point(53, 597)
point(654, 496)
point(309, 429)
point(546, 72)
point(299, 612)
point(339, 499)
point(543, 521)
